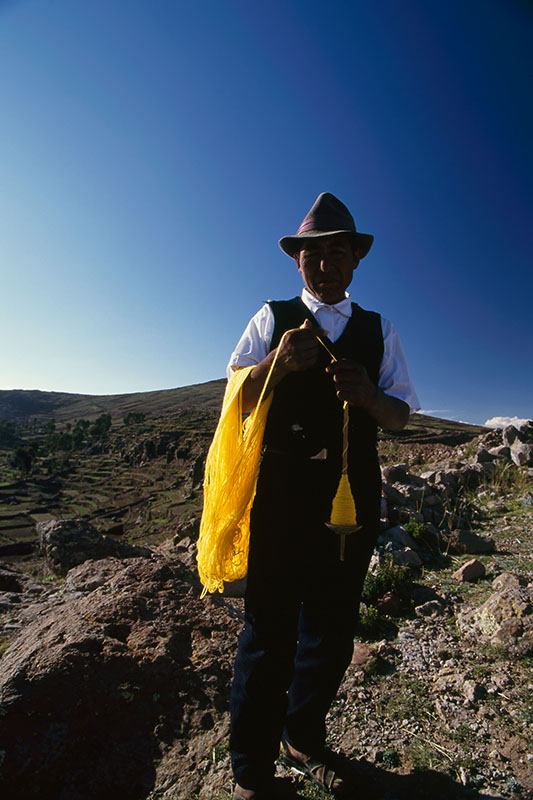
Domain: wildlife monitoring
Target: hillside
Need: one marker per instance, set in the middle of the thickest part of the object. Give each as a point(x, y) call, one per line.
point(98, 581)
point(140, 481)
point(436, 702)
point(20, 405)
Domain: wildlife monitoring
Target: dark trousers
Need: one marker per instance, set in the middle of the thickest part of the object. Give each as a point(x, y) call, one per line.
point(300, 615)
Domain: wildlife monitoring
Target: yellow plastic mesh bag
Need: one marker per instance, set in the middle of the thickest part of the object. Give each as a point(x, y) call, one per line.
point(229, 488)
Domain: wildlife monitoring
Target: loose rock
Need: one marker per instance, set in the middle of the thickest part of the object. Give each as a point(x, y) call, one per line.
point(470, 571)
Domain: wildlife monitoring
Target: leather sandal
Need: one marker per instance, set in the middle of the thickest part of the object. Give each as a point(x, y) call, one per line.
point(317, 770)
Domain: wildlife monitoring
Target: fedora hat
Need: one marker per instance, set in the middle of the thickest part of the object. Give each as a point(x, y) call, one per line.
point(327, 216)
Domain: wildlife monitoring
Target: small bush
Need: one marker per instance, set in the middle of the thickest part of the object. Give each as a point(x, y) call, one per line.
point(134, 418)
point(390, 758)
point(389, 577)
point(22, 459)
point(508, 479)
point(368, 620)
point(418, 530)
point(8, 433)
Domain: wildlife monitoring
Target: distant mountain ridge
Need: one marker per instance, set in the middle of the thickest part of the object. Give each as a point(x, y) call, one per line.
point(24, 404)
point(21, 405)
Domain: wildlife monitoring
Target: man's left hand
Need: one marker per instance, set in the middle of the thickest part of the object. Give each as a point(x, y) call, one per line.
point(352, 383)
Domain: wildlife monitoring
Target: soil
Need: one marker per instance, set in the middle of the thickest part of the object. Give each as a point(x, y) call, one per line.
point(427, 708)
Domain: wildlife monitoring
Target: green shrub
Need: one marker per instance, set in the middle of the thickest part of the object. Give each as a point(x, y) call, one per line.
point(368, 620)
point(416, 529)
point(419, 532)
point(134, 418)
point(22, 459)
point(390, 758)
point(389, 577)
point(8, 433)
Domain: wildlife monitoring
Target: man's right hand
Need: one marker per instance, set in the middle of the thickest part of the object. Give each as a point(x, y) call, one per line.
point(299, 348)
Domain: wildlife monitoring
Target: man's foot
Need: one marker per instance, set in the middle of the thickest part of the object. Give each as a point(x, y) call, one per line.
point(244, 794)
point(273, 791)
point(321, 770)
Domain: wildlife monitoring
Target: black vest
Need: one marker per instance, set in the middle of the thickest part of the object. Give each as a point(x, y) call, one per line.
point(306, 416)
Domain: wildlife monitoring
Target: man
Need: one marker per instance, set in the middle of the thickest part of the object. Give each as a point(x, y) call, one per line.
point(302, 599)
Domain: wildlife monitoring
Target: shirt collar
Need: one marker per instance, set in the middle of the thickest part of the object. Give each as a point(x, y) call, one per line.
point(344, 308)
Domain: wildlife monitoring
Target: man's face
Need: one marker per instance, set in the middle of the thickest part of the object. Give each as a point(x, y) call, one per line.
point(326, 266)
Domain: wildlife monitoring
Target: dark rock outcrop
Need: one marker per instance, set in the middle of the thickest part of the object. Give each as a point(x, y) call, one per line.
point(67, 543)
point(111, 685)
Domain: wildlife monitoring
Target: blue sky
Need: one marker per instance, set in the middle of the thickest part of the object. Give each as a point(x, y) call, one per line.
point(152, 152)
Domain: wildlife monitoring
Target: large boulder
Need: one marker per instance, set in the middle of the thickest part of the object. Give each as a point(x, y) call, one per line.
point(520, 441)
point(398, 473)
point(511, 434)
point(464, 541)
point(502, 452)
point(505, 618)
point(113, 693)
point(398, 536)
point(68, 542)
point(483, 456)
point(522, 454)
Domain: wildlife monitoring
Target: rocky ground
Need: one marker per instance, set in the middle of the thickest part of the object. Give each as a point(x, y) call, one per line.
point(115, 676)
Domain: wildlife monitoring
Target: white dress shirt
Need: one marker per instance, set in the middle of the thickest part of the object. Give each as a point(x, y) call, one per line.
point(394, 378)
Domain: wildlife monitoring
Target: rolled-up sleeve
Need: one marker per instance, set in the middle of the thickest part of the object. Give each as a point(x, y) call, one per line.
point(254, 344)
point(394, 376)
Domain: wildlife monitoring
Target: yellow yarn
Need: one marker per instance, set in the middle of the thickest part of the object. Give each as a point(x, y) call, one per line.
point(230, 482)
point(343, 508)
point(229, 488)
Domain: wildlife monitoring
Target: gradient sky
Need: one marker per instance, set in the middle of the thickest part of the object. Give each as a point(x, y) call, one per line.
point(152, 152)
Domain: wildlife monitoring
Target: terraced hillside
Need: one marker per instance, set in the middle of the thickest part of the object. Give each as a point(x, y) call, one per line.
point(138, 481)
